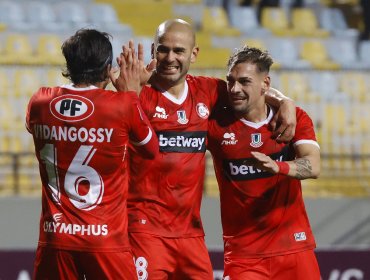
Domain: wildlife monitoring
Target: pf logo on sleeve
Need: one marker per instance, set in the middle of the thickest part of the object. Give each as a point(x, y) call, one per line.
point(71, 108)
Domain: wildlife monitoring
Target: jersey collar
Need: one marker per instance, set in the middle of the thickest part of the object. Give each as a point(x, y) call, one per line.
point(182, 98)
point(262, 123)
point(72, 87)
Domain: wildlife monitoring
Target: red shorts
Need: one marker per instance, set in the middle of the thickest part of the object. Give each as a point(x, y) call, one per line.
point(159, 258)
point(54, 264)
point(302, 266)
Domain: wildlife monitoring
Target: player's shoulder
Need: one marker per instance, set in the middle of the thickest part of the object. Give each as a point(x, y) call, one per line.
point(301, 113)
point(44, 93)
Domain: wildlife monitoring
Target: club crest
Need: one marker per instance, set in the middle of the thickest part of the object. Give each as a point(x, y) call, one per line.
point(256, 140)
point(181, 117)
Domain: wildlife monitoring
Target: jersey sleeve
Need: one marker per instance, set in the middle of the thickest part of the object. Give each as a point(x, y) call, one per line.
point(141, 132)
point(305, 132)
point(30, 105)
point(27, 123)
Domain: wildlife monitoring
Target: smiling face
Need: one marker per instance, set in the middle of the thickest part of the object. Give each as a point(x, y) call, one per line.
point(246, 87)
point(174, 48)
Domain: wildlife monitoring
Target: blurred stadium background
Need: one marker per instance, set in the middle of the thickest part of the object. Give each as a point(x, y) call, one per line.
point(319, 62)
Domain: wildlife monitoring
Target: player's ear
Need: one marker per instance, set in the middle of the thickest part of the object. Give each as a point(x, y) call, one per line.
point(194, 54)
point(266, 83)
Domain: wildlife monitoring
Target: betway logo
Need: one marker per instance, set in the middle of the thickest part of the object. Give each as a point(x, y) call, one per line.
point(243, 169)
point(182, 142)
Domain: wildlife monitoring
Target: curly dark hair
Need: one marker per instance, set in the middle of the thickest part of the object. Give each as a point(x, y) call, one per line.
point(88, 53)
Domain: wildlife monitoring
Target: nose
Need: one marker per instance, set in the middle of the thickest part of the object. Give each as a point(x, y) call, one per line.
point(170, 56)
point(235, 87)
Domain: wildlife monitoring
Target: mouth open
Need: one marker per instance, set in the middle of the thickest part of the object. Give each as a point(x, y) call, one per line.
point(169, 69)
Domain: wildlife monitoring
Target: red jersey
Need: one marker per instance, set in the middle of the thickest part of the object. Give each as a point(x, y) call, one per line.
point(262, 214)
point(165, 194)
point(80, 138)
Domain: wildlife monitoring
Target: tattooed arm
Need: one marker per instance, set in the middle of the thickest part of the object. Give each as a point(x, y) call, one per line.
point(306, 165)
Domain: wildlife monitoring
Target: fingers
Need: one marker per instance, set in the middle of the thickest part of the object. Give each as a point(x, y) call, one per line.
point(286, 135)
point(140, 52)
point(273, 122)
point(152, 65)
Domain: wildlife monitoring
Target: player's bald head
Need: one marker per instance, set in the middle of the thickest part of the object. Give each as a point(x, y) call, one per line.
point(176, 26)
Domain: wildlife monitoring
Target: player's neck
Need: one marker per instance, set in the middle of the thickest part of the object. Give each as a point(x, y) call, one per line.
point(98, 85)
point(177, 91)
point(257, 114)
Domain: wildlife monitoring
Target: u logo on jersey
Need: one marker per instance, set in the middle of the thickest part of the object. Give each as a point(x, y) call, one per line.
point(71, 108)
point(181, 117)
point(256, 140)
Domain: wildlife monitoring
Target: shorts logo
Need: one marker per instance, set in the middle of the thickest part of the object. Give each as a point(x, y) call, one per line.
point(202, 110)
point(57, 217)
point(229, 139)
point(71, 108)
point(300, 236)
point(256, 140)
point(181, 115)
point(160, 113)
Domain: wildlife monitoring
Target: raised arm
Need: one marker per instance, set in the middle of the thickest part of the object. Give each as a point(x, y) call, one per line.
point(144, 72)
point(306, 165)
point(284, 122)
point(142, 134)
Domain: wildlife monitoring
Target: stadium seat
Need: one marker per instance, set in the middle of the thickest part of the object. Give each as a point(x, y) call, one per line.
point(29, 184)
point(364, 53)
point(54, 77)
point(314, 51)
point(294, 84)
point(215, 21)
point(194, 11)
point(260, 44)
point(73, 13)
point(125, 12)
point(332, 19)
point(354, 85)
point(324, 84)
point(245, 19)
point(7, 184)
point(102, 13)
point(104, 16)
point(344, 51)
point(305, 23)
point(275, 19)
point(209, 58)
point(13, 15)
point(335, 118)
point(46, 19)
point(26, 82)
point(4, 83)
point(49, 50)
point(286, 52)
point(18, 50)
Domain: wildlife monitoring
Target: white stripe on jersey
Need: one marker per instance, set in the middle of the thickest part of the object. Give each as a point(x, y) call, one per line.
point(146, 140)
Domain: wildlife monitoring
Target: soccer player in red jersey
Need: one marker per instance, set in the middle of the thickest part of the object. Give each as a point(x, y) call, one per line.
point(266, 230)
point(81, 132)
point(165, 194)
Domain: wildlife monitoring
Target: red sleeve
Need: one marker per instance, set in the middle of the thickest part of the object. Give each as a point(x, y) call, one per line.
point(305, 128)
point(142, 134)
